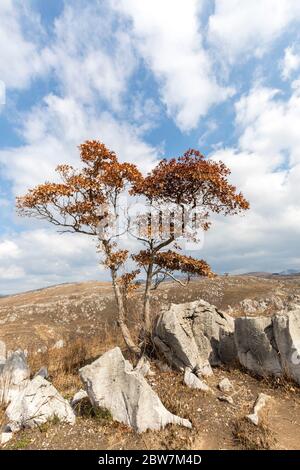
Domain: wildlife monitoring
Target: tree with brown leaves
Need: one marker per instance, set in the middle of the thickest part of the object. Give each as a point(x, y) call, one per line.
point(178, 197)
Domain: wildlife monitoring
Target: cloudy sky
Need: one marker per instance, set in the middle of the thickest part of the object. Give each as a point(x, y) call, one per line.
point(151, 78)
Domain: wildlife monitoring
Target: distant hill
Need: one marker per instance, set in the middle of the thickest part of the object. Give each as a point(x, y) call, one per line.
point(288, 272)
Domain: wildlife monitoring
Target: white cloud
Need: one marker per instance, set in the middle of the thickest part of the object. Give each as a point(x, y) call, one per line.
point(43, 257)
point(8, 250)
point(240, 29)
point(168, 36)
point(270, 125)
point(88, 72)
point(91, 53)
point(53, 131)
point(290, 62)
point(266, 167)
point(21, 57)
point(11, 273)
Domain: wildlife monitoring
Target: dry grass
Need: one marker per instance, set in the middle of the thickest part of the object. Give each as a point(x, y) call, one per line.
point(2, 416)
point(86, 410)
point(251, 437)
point(63, 364)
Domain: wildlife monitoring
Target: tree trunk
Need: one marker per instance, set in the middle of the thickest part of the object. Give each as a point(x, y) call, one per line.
point(122, 317)
point(147, 295)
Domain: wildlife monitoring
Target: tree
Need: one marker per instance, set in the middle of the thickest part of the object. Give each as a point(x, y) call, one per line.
point(178, 197)
point(196, 187)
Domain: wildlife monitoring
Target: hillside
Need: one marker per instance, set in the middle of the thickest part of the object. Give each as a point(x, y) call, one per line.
point(83, 316)
point(47, 315)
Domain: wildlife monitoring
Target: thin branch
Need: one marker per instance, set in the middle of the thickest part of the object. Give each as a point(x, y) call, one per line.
point(184, 284)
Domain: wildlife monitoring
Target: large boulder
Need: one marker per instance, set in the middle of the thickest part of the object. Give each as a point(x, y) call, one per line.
point(112, 383)
point(14, 376)
point(38, 403)
point(195, 335)
point(256, 345)
point(287, 334)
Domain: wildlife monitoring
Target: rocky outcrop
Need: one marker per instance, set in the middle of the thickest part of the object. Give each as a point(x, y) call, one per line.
point(195, 335)
point(270, 345)
point(256, 345)
point(14, 376)
point(270, 305)
point(287, 335)
point(112, 383)
point(38, 403)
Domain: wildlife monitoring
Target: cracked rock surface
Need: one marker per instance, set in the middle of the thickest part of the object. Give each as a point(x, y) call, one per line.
point(195, 335)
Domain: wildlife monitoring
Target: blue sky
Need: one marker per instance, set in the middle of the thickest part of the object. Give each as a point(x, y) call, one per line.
point(151, 79)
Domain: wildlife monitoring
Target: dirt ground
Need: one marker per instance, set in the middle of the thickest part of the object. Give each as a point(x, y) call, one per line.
point(213, 421)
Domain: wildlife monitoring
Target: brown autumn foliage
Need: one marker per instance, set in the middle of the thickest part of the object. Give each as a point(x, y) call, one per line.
point(86, 201)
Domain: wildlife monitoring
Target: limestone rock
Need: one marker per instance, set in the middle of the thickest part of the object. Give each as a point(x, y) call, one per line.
point(143, 367)
point(80, 395)
point(38, 403)
point(14, 376)
point(192, 381)
point(5, 437)
point(193, 335)
point(112, 383)
point(227, 352)
point(256, 345)
point(225, 385)
point(287, 335)
point(226, 398)
point(260, 403)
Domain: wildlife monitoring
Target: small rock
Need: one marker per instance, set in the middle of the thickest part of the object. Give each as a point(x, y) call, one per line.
point(59, 344)
point(5, 437)
point(260, 403)
point(78, 397)
point(226, 398)
point(192, 381)
point(225, 385)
